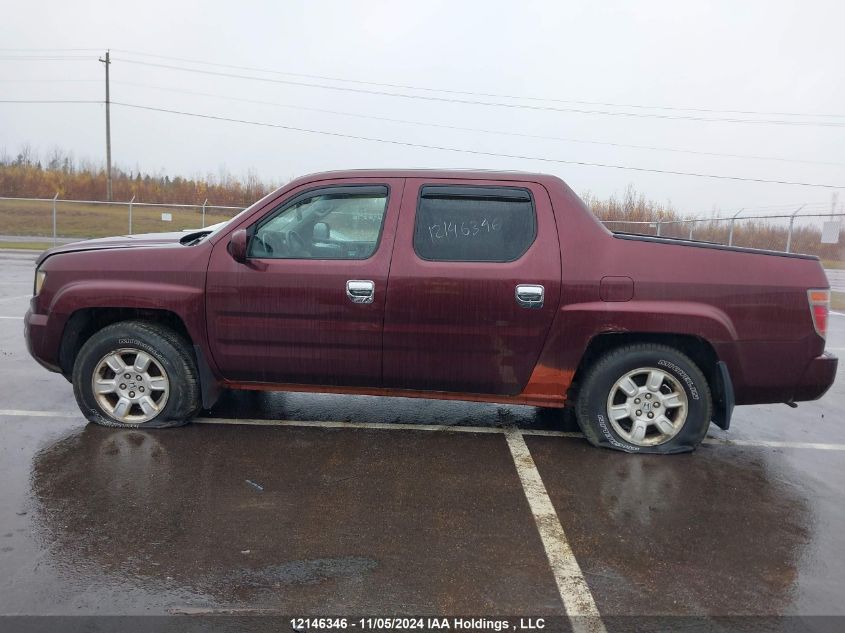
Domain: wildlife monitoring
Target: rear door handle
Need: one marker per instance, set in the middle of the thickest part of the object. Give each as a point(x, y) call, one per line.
point(360, 290)
point(530, 295)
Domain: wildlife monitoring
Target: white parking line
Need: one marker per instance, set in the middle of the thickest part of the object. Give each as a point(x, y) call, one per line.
point(394, 426)
point(775, 444)
point(19, 413)
point(574, 592)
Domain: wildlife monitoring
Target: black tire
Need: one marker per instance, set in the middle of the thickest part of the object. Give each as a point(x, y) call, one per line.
point(592, 399)
point(166, 347)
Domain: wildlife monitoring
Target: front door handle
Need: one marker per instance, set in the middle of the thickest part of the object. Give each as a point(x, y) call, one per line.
point(530, 295)
point(360, 290)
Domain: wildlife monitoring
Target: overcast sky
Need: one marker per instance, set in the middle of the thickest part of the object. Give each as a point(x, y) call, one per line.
point(767, 56)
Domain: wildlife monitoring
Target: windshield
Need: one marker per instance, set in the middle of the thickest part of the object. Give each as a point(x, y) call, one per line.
point(217, 228)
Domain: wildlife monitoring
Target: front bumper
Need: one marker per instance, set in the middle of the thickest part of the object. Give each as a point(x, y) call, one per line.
point(817, 379)
point(37, 336)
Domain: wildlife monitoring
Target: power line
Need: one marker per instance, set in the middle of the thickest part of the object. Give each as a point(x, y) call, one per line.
point(433, 125)
point(498, 104)
point(472, 129)
point(474, 152)
point(476, 94)
point(48, 81)
point(48, 50)
point(428, 88)
point(442, 147)
point(27, 58)
point(49, 101)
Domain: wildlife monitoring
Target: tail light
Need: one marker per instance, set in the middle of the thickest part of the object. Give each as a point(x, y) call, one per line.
point(819, 309)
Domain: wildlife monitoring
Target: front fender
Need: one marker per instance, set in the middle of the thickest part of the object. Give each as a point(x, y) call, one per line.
point(184, 301)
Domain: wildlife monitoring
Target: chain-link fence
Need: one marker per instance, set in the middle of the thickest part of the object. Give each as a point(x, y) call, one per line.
point(55, 220)
point(814, 234)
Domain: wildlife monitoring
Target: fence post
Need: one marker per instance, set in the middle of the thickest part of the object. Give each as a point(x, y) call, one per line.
point(731, 234)
point(130, 214)
point(203, 213)
point(659, 223)
point(56, 197)
point(791, 221)
point(691, 227)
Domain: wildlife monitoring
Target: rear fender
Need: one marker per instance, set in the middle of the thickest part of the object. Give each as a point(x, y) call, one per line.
point(576, 325)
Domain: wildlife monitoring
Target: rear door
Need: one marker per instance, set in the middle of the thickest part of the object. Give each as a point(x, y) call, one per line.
point(308, 305)
point(474, 285)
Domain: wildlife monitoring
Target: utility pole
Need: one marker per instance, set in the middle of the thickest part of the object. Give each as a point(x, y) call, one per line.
point(108, 131)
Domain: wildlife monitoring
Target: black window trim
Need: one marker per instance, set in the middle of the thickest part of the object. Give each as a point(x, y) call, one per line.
point(331, 189)
point(471, 191)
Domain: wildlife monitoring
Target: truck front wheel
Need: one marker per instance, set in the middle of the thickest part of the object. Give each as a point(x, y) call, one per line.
point(136, 374)
point(645, 398)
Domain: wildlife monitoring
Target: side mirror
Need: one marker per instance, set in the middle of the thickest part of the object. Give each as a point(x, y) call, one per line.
point(237, 245)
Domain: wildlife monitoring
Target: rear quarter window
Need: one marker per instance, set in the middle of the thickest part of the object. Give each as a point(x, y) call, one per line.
point(474, 224)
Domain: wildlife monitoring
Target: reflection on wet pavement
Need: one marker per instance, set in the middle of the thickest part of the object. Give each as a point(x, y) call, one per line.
point(721, 531)
point(374, 521)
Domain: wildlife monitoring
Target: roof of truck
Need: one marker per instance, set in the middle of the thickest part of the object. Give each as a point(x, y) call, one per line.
point(474, 174)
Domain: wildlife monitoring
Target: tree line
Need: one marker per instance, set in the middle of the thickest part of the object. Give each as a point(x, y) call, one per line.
point(27, 175)
point(628, 212)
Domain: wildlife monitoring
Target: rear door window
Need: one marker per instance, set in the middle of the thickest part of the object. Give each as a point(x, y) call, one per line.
point(474, 224)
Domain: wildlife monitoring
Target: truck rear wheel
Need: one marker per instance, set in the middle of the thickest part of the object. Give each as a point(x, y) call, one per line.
point(136, 374)
point(645, 398)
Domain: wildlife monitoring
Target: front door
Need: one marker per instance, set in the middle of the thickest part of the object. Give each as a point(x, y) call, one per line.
point(474, 286)
point(308, 305)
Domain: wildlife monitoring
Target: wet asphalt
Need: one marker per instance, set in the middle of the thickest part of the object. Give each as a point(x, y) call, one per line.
point(274, 519)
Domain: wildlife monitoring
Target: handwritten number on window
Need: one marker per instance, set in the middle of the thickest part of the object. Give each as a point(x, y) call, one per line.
point(467, 229)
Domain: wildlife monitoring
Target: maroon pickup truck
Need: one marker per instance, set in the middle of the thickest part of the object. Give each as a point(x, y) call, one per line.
point(487, 286)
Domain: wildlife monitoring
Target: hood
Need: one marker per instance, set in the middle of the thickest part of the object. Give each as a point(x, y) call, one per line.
point(123, 241)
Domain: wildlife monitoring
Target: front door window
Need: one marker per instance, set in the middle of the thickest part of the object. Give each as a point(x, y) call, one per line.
point(330, 223)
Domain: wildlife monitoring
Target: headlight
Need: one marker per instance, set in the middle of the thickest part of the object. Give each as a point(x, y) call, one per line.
point(40, 276)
